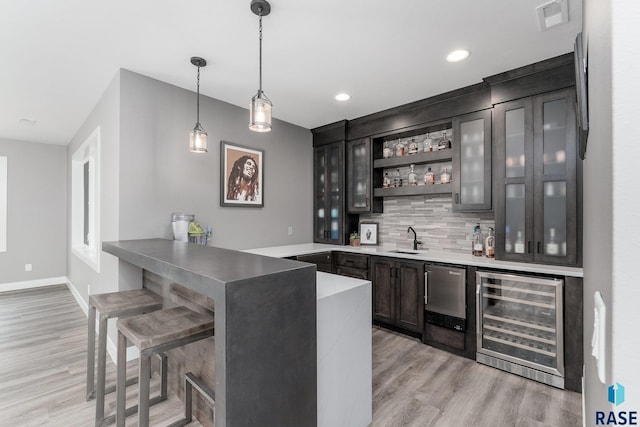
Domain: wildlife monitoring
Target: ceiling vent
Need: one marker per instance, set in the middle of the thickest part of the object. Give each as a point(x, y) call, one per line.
point(553, 13)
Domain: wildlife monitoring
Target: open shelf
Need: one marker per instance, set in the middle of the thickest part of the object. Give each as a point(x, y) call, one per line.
point(413, 190)
point(418, 159)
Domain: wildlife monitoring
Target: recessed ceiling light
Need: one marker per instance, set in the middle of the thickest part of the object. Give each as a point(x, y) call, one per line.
point(343, 97)
point(27, 122)
point(458, 55)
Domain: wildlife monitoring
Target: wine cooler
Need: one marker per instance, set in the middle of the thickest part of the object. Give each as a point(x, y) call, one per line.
point(519, 325)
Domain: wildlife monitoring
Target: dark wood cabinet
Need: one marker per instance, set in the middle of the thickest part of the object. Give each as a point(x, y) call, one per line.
point(536, 179)
point(321, 260)
point(331, 223)
point(472, 162)
point(398, 293)
point(351, 265)
point(360, 178)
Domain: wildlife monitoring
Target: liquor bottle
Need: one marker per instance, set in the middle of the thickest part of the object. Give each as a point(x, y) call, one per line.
point(552, 248)
point(429, 177)
point(386, 183)
point(519, 246)
point(413, 176)
point(397, 181)
point(477, 241)
point(490, 244)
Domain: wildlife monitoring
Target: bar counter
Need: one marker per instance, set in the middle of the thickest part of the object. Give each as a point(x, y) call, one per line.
point(265, 325)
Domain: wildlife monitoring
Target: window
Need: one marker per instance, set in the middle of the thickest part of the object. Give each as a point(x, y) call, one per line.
point(3, 204)
point(85, 201)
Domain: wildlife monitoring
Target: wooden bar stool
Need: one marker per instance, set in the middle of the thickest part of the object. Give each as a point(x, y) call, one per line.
point(155, 333)
point(108, 305)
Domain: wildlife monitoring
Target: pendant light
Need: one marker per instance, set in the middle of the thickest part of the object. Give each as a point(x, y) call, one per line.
point(198, 136)
point(260, 108)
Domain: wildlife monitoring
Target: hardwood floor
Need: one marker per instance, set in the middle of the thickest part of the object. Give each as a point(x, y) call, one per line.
point(42, 377)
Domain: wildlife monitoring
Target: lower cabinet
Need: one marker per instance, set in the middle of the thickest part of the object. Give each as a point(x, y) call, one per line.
point(351, 265)
point(321, 260)
point(398, 293)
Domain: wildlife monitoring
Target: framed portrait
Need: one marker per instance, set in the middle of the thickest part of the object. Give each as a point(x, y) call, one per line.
point(368, 233)
point(241, 176)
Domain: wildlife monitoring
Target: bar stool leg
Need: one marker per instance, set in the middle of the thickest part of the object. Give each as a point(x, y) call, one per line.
point(164, 372)
point(102, 369)
point(143, 390)
point(188, 396)
point(91, 353)
point(121, 388)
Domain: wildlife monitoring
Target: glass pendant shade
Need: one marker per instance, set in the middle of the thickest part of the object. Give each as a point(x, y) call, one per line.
point(260, 113)
point(198, 139)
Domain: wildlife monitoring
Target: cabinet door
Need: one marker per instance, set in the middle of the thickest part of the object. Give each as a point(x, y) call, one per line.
point(513, 133)
point(409, 278)
point(320, 203)
point(555, 178)
point(328, 190)
point(472, 162)
point(359, 189)
point(383, 290)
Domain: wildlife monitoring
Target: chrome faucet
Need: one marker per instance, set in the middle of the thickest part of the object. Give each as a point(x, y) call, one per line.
point(416, 242)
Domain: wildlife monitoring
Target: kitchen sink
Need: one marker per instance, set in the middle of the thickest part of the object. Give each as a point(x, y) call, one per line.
point(407, 251)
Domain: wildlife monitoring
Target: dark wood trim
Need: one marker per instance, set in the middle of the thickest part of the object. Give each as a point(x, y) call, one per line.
point(332, 132)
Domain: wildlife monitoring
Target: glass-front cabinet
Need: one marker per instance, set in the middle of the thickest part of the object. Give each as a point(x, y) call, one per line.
point(472, 162)
point(536, 200)
point(359, 176)
point(328, 211)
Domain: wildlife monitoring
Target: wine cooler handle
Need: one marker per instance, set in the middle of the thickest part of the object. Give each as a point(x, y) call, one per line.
point(426, 283)
point(528, 246)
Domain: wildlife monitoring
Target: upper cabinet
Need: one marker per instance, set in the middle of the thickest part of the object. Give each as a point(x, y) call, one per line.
point(472, 162)
point(360, 178)
point(536, 179)
point(331, 223)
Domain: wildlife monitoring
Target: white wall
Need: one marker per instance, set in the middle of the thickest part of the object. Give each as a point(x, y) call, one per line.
point(611, 205)
point(158, 174)
point(36, 212)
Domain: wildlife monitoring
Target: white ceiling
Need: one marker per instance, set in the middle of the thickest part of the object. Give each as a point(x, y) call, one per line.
point(59, 56)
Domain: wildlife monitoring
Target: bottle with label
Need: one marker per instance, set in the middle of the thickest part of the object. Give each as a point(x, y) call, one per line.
point(397, 181)
point(519, 246)
point(490, 244)
point(427, 145)
point(413, 176)
point(552, 248)
point(477, 241)
point(413, 146)
point(445, 176)
point(387, 151)
point(508, 247)
point(400, 149)
point(444, 142)
point(386, 183)
point(429, 177)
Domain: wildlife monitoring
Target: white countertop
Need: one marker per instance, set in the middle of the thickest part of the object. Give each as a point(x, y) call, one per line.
point(332, 284)
point(424, 255)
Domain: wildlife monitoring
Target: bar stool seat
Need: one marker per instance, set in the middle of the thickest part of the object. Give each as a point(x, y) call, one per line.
point(155, 333)
point(110, 305)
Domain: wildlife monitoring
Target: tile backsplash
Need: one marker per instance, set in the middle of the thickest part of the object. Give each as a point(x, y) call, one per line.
point(437, 226)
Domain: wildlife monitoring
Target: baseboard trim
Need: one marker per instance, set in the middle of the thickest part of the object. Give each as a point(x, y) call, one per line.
point(112, 349)
point(28, 284)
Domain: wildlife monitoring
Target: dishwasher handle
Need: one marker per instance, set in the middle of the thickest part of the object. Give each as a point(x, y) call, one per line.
point(426, 287)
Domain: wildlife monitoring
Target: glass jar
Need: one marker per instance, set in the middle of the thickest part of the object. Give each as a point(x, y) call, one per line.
point(445, 176)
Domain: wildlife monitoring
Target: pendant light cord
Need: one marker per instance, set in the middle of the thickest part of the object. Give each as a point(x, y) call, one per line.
point(198, 98)
point(260, 30)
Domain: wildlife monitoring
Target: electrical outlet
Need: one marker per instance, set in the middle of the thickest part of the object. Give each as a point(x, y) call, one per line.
point(290, 230)
point(28, 267)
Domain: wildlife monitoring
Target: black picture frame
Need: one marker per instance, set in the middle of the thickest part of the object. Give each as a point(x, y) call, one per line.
point(368, 233)
point(235, 189)
point(582, 96)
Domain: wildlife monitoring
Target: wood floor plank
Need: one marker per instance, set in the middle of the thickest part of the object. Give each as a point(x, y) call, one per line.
point(42, 377)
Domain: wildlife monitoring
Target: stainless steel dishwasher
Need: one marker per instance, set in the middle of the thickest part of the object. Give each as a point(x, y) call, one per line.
point(444, 296)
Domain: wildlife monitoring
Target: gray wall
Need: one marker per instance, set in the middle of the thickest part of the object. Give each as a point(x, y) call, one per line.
point(106, 115)
point(37, 208)
point(158, 174)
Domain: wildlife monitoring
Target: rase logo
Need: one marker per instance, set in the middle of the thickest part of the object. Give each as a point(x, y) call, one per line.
point(615, 395)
